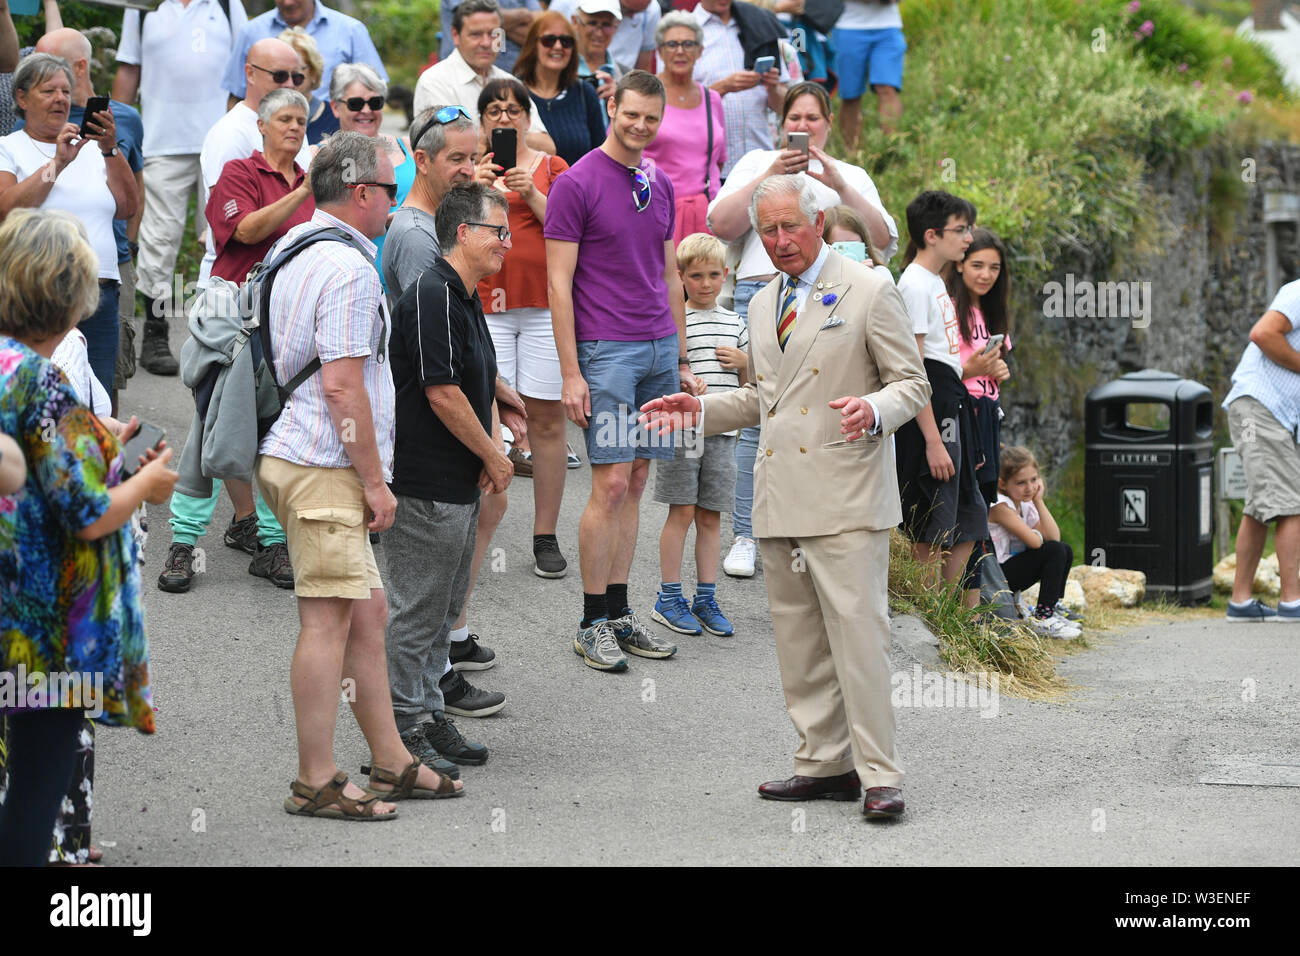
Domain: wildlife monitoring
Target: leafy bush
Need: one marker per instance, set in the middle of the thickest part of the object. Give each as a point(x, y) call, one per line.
point(405, 32)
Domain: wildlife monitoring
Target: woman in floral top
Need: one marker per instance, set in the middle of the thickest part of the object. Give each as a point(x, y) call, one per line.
point(70, 599)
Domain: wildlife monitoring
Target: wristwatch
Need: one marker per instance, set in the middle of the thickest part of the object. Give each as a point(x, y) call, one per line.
point(111, 153)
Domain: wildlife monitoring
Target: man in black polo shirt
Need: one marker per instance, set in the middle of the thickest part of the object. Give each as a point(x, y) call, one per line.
point(444, 370)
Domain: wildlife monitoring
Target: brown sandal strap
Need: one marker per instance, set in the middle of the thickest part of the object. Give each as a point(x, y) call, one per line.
point(332, 793)
point(402, 786)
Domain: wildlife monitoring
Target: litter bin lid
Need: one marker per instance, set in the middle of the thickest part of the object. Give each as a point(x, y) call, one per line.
point(1150, 384)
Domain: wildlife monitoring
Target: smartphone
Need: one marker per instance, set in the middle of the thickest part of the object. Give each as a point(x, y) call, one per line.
point(504, 148)
point(995, 343)
point(798, 141)
point(96, 104)
point(145, 437)
point(763, 64)
point(857, 251)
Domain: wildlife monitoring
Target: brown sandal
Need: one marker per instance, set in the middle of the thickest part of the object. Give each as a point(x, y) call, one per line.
point(404, 786)
point(319, 802)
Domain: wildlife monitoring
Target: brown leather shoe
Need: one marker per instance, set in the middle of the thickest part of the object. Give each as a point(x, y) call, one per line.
point(883, 803)
point(845, 786)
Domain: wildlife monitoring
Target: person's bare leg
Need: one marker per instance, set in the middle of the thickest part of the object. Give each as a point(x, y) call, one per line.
point(708, 545)
point(550, 461)
point(1250, 548)
point(491, 510)
point(672, 541)
point(316, 679)
point(629, 522)
point(954, 561)
point(1286, 539)
point(851, 122)
point(890, 104)
point(365, 662)
point(241, 496)
point(598, 529)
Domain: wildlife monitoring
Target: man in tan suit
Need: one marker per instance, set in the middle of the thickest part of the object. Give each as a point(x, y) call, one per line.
point(834, 371)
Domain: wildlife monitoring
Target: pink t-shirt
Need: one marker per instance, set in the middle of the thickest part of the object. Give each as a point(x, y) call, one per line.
point(980, 386)
point(679, 147)
point(1005, 544)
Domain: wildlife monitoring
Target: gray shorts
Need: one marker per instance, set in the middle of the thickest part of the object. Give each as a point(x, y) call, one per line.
point(1269, 456)
point(705, 480)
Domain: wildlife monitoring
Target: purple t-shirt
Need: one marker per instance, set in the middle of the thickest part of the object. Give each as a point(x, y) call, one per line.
point(619, 291)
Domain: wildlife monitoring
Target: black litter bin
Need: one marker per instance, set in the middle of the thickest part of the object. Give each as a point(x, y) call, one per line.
point(1148, 476)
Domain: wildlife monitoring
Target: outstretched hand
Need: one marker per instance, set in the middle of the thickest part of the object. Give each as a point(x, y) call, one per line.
point(671, 413)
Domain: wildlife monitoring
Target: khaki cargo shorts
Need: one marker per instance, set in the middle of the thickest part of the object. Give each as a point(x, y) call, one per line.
point(1270, 458)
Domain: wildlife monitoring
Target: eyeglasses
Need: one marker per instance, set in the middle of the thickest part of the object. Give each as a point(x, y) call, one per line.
point(441, 117)
point(640, 188)
point(503, 232)
point(357, 103)
point(279, 76)
point(686, 45)
point(549, 40)
point(391, 189)
point(606, 26)
point(964, 230)
point(495, 112)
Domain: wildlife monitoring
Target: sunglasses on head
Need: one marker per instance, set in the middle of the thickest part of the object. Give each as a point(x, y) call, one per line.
point(279, 76)
point(357, 103)
point(440, 118)
point(549, 40)
point(390, 188)
point(640, 188)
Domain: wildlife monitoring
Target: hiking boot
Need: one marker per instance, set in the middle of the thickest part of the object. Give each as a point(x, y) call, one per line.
point(242, 534)
point(675, 614)
point(272, 563)
point(598, 647)
point(443, 736)
point(155, 354)
point(522, 460)
point(178, 570)
point(710, 615)
point(470, 655)
point(635, 638)
point(414, 740)
point(548, 562)
point(462, 698)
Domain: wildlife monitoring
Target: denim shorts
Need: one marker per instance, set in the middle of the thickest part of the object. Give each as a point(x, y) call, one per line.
point(621, 377)
point(865, 57)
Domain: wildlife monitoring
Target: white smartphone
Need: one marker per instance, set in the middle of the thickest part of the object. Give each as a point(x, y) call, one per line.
point(995, 343)
point(798, 141)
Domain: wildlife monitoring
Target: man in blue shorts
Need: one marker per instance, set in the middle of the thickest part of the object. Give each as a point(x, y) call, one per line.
point(620, 328)
point(869, 48)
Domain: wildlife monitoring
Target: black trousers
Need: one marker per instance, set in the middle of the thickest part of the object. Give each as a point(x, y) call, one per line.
point(1048, 566)
point(42, 755)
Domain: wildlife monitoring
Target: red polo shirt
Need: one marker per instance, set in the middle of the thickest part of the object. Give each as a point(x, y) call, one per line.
point(245, 186)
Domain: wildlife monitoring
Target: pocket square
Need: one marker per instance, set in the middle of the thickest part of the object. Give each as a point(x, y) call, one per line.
point(832, 322)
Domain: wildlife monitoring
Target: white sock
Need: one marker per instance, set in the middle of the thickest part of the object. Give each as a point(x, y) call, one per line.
point(446, 670)
point(460, 634)
point(1289, 605)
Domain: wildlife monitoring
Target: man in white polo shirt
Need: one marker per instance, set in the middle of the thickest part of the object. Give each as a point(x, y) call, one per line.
point(174, 61)
point(633, 45)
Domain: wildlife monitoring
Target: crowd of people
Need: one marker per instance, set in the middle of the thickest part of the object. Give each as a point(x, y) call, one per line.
point(602, 213)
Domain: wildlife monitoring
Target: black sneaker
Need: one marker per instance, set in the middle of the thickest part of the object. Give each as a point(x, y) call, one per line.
point(178, 570)
point(470, 655)
point(442, 734)
point(242, 534)
point(548, 562)
point(462, 698)
point(422, 750)
point(272, 563)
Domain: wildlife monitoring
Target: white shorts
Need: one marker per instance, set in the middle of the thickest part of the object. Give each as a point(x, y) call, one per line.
point(526, 355)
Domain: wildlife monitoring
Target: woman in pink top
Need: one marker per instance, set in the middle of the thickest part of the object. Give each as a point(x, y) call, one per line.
point(691, 145)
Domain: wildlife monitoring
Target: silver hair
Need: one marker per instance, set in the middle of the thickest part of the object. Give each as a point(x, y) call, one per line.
point(34, 70)
point(344, 160)
point(678, 18)
point(345, 74)
point(785, 186)
point(280, 99)
point(433, 136)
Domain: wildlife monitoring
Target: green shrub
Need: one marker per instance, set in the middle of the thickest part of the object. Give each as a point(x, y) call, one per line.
point(405, 32)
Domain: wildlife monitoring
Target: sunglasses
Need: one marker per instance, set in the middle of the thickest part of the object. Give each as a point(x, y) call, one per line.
point(549, 40)
point(503, 232)
point(640, 188)
point(357, 103)
point(279, 76)
point(390, 188)
point(441, 117)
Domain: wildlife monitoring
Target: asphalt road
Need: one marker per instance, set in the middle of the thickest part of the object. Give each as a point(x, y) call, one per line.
point(659, 765)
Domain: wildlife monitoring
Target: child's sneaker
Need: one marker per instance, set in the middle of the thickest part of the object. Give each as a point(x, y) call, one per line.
point(1074, 617)
point(711, 616)
point(1256, 612)
point(675, 614)
point(1055, 627)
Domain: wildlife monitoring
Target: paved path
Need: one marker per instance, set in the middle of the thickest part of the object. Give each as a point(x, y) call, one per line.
point(660, 765)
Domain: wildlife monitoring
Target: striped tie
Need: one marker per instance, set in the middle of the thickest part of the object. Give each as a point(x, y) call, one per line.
point(785, 325)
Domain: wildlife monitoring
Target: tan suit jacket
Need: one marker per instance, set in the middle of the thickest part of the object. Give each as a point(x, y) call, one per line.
point(808, 480)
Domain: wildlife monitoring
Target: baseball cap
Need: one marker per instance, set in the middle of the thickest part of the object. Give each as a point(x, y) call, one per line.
point(591, 7)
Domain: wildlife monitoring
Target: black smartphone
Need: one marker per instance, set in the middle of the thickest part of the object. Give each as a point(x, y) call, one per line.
point(505, 144)
point(146, 437)
point(96, 104)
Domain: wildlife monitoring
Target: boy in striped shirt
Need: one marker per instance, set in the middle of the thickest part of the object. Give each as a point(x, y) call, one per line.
point(700, 481)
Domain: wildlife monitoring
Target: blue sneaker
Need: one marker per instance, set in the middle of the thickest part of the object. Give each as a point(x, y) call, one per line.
point(1288, 615)
point(675, 614)
point(1256, 612)
point(711, 616)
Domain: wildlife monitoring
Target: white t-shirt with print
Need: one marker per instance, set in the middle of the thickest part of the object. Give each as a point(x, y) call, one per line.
point(933, 314)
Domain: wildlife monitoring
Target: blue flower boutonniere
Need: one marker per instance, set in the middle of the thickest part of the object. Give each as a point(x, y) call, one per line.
point(829, 298)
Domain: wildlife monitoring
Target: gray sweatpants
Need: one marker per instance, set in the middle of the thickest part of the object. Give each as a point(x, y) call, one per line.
point(428, 552)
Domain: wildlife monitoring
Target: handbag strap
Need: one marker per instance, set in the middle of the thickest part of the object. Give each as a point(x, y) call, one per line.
point(708, 155)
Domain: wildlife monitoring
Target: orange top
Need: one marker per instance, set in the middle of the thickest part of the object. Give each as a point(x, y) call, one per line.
point(521, 283)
